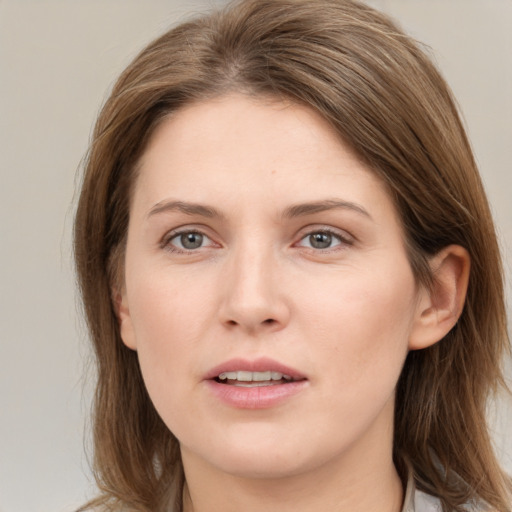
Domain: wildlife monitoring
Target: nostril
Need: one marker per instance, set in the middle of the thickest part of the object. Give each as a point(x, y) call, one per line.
point(269, 321)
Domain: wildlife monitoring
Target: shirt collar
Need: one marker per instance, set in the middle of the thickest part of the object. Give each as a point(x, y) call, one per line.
point(409, 494)
point(418, 501)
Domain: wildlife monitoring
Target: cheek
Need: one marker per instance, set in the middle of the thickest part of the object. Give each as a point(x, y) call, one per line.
point(170, 312)
point(363, 321)
point(168, 305)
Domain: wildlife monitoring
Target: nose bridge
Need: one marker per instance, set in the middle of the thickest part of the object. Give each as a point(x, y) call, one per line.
point(254, 296)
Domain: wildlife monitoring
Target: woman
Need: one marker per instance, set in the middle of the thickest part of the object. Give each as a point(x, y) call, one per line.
point(290, 273)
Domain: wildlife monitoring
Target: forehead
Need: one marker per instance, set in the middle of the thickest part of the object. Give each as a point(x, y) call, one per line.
point(260, 125)
point(254, 149)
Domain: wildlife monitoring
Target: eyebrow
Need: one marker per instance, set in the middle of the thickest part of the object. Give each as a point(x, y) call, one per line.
point(298, 210)
point(184, 207)
point(303, 209)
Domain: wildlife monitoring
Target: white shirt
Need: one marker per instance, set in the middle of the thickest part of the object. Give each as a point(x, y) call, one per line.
point(418, 501)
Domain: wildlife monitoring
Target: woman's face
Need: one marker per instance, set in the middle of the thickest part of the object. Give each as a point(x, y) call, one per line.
point(268, 293)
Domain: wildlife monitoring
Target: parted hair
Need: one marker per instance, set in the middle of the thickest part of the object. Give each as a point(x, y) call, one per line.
point(380, 91)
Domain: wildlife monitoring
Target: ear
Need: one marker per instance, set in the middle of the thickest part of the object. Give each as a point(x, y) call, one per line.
point(124, 318)
point(440, 307)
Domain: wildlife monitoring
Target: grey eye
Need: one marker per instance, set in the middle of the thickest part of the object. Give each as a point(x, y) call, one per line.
point(320, 240)
point(191, 240)
point(187, 241)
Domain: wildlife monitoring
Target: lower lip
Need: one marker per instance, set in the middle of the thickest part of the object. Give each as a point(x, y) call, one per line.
point(260, 397)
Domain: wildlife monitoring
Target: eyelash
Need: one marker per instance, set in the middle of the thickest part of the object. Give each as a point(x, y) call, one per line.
point(342, 240)
point(167, 241)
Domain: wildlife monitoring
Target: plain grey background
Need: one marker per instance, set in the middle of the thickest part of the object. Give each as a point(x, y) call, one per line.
point(58, 60)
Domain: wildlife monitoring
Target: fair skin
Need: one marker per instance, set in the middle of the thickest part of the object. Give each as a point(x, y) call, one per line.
point(258, 240)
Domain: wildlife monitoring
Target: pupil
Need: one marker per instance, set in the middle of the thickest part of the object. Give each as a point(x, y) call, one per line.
point(320, 240)
point(191, 240)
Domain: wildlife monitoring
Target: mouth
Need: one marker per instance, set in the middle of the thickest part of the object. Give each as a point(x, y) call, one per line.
point(254, 373)
point(248, 379)
point(255, 384)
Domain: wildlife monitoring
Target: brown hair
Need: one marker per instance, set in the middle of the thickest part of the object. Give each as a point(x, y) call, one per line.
point(383, 95)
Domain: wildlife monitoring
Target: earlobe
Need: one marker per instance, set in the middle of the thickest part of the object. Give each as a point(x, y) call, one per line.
point(440, 307)
point(124, 319)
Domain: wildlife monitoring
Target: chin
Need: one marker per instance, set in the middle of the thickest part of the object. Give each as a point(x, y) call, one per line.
point(264, 467)
point(255, 456)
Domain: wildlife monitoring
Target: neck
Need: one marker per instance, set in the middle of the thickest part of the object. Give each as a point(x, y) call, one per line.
point(363, 487)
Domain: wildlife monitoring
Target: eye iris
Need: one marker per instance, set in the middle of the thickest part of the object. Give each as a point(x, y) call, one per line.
point(320, 240)
point(191, 240)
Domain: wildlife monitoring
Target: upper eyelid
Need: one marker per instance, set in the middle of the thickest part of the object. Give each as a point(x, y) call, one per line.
point(343, 242)
point(186, 228)
point(319, 228)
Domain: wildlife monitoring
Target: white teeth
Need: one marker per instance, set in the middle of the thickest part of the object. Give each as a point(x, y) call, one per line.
point(261, 376)
point(279, 376)
point(227, 375)
point(245, 376)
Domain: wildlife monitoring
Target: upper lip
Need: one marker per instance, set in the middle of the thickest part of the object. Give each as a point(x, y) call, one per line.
point(261, 364)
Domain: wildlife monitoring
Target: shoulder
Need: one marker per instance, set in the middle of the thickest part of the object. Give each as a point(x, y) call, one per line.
point(424, 502)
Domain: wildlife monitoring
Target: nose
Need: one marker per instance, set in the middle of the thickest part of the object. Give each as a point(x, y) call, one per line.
point(254, 300)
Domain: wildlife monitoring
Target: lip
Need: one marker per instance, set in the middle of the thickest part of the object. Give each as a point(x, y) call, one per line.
point(260, 397)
